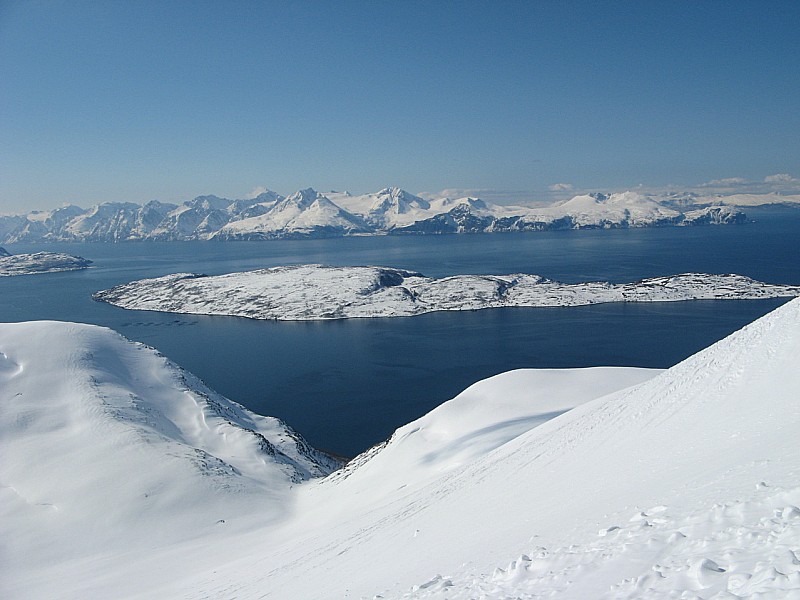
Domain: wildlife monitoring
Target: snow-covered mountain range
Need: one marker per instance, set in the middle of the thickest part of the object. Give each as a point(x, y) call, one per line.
point(123, 476)
point(39, 262)
point(308, 213)
point(316, 292)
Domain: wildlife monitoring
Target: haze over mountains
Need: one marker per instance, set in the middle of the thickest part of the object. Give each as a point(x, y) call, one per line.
point(311, 214)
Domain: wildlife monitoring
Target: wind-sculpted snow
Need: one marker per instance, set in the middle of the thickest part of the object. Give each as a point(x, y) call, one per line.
point(315, 292)
point(39, 262)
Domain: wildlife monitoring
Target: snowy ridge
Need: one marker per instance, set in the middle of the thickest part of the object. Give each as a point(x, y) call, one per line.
point(306, 213)
point(39, 262)
point(315, 292)
point(310, 214)
point(388, 208)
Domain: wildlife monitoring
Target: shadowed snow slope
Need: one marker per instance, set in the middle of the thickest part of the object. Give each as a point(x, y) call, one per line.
point(684, 485)
point(483, 417)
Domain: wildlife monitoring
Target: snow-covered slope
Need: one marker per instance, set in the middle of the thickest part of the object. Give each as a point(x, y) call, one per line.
point(39, 262)
point(605, 210)
point(685, 486)
point(112, 221)
point(682, 486)
point(386, 209)
point(312, 292)
point(107, 447)
point(485, 416)
point(306, 213)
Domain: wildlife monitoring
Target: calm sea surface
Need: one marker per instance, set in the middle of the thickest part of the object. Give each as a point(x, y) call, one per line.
point(346, 385)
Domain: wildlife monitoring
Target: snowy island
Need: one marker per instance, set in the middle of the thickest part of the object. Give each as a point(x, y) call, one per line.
point(125, 477)
point(316, 292)
point(39, 262)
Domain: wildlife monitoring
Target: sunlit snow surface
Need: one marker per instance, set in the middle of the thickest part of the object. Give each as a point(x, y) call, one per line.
point(583, 483)
point(313, 292)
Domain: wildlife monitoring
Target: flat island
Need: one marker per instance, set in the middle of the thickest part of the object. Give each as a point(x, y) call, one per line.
point(316, 292)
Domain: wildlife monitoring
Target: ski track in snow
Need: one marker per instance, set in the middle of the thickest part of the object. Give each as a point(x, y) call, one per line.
point(745, 549)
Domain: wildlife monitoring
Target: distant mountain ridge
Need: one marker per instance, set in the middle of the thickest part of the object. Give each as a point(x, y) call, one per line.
point(311, 214)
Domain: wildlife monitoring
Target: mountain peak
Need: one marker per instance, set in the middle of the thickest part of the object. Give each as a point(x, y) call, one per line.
point(209, 202)
point(267, 196)
point(304, 197)
point(397, 200)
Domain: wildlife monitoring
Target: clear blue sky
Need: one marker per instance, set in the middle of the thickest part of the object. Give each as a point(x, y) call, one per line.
point(140, 100)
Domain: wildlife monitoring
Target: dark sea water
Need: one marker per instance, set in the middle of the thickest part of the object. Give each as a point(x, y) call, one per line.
point(346, 385)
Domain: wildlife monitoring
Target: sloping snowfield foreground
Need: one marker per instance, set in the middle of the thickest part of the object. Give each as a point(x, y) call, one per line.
point(123, 477)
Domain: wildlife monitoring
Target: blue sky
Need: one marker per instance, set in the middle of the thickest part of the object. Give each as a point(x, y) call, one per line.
point(134, 101)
